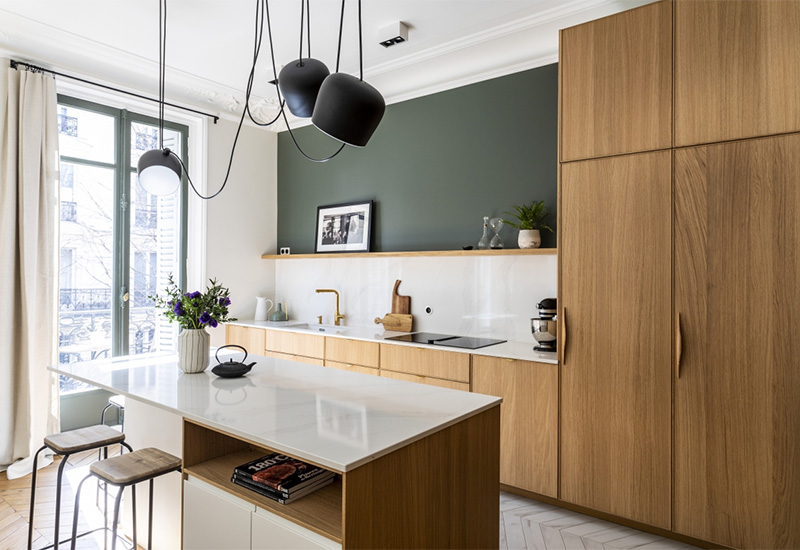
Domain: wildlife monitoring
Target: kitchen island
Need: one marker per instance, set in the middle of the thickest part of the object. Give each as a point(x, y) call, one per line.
point(417, 466)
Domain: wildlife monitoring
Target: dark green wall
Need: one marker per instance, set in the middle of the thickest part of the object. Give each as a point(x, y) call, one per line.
point(435, 166)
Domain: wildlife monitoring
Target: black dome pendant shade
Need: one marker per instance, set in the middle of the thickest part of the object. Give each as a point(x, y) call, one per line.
point(300, 81)
point(159, 172)
point(348, 109)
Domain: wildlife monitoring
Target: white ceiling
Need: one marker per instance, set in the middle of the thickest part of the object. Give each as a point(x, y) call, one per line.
point(210, 42)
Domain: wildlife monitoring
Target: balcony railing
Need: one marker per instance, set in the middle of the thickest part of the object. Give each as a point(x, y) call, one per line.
point(69, 211)
point(84, 299)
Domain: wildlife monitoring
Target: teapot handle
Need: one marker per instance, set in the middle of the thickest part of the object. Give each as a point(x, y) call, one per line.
point(216, 355)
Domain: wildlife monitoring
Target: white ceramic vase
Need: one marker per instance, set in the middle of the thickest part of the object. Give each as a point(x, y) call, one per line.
point(529, 238)
point(194, 348)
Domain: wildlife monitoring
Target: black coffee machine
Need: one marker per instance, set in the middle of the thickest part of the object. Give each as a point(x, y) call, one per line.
point(544, 327)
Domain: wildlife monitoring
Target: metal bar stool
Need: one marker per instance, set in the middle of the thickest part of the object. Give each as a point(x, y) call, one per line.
point(117, 401)
point(128, 470)
point(66, 444)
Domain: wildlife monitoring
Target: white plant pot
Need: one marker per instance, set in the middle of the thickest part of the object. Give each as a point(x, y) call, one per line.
point(194, 348)
point(529, 238)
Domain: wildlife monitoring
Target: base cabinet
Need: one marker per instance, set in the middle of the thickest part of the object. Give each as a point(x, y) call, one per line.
point(528, 420)
point(214, 519)
point(270, 532)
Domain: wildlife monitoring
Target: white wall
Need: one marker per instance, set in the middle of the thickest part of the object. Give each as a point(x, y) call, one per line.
point(241, 222)
point(3, 92)
point(492, 296)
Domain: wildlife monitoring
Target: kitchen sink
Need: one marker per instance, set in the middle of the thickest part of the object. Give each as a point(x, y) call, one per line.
point(323, 329)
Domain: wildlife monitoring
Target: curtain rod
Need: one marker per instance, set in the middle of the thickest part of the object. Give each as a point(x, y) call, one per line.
point(14, 65)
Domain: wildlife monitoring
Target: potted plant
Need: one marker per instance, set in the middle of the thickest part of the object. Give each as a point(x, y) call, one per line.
point(194, 311)
point(530, 222)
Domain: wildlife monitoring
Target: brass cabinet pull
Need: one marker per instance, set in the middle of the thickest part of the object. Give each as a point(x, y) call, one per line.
point(678, 345)
point(563, 336)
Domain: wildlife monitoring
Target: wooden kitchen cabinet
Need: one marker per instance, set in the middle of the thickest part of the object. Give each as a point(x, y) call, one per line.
point(440, 382)
point(431, 363)
point(614, 329)
point(528, 420)
point(356, 352)
point(251, 338)
point(295, 358)
point(296, 343)
point(615, 84)
point(352, 368)
point(737, 377)
point(736, 69)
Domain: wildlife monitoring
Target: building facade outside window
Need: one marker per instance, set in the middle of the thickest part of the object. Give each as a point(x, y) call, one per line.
point(118, 243)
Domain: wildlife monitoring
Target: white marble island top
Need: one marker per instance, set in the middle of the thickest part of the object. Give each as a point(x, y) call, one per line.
point(334, 418)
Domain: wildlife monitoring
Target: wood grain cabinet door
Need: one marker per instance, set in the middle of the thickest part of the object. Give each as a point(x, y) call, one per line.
point(250, 338)
point(737, 299)
point(528, 419)
point(614, 315)
point(737, 68)
point(615, 85)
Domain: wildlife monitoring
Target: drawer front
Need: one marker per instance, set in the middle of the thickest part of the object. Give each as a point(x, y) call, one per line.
point(425, 380)
point(296, 343)
point(426, 362)
point(355, 352)
point(250, 338)
point(352, 368)
point(295, 358)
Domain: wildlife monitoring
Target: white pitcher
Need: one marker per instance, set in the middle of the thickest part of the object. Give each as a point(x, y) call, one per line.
point(261, 308)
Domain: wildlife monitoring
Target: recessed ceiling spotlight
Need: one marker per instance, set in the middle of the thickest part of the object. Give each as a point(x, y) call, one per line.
point(393, 34)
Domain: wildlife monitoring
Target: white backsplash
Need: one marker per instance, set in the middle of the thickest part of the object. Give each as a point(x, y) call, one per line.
point(492, 296)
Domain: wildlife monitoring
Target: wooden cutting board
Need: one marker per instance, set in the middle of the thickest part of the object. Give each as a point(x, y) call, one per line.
point(400, 304)
point(396, 321)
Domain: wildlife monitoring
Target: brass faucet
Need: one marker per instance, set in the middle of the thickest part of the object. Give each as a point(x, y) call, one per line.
point(337, 316)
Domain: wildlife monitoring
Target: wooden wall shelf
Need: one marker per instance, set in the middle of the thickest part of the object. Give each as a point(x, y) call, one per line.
point(419, 253)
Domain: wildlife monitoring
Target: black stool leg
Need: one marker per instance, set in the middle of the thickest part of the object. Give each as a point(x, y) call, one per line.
point(75, 514)
point(58, 499)
point(33, 496)
point(150, 519)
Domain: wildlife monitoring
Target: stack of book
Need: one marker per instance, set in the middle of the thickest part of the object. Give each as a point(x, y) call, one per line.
point(281, 478)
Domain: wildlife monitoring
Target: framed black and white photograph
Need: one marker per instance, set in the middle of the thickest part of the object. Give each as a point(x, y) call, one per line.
point(344, 227)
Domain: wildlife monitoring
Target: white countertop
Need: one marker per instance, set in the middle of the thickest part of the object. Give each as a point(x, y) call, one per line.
point(507, 350)
point(334, 418)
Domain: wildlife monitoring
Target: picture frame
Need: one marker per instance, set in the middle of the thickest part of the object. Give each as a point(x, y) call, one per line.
point(345, 227)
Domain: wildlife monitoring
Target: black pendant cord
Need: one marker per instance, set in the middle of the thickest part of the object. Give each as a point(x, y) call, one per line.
point(259, 34)
point(245, 111)
point(302, 14)
point(339, 48)
point(360, 46)
point(280, 99)
point(162, 61)
point(308, 27)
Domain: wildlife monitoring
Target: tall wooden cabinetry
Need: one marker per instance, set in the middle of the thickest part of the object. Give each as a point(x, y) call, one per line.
point(615, 299)
point(737, 299)
point(701, 439)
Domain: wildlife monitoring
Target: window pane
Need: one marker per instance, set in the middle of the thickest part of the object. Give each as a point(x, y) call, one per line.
point(144, 137)
point(85, 299)
point(155, 252)
point(85, 134)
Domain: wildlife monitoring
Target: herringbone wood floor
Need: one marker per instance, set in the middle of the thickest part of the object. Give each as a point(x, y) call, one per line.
point(15, 502)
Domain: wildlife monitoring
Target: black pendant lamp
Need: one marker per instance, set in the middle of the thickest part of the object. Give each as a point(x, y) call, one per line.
point(347, 108)
point(301, 79)
point(160, 170)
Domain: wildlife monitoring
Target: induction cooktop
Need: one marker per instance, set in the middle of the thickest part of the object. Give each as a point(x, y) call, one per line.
point(449, 340)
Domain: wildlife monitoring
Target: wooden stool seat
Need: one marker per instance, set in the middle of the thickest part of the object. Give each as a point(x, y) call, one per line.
point(134, 467)
point(83, 439)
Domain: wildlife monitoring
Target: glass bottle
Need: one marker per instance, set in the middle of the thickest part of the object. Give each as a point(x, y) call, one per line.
point(484, 242)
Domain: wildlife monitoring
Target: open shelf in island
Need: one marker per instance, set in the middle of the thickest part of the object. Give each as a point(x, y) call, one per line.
point(320, 511)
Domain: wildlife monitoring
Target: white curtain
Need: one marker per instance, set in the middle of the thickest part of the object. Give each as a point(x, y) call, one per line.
point(29, 217)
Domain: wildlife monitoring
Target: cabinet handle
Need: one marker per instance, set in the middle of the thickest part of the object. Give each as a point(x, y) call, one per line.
point(563, 336)
point(678, 345)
